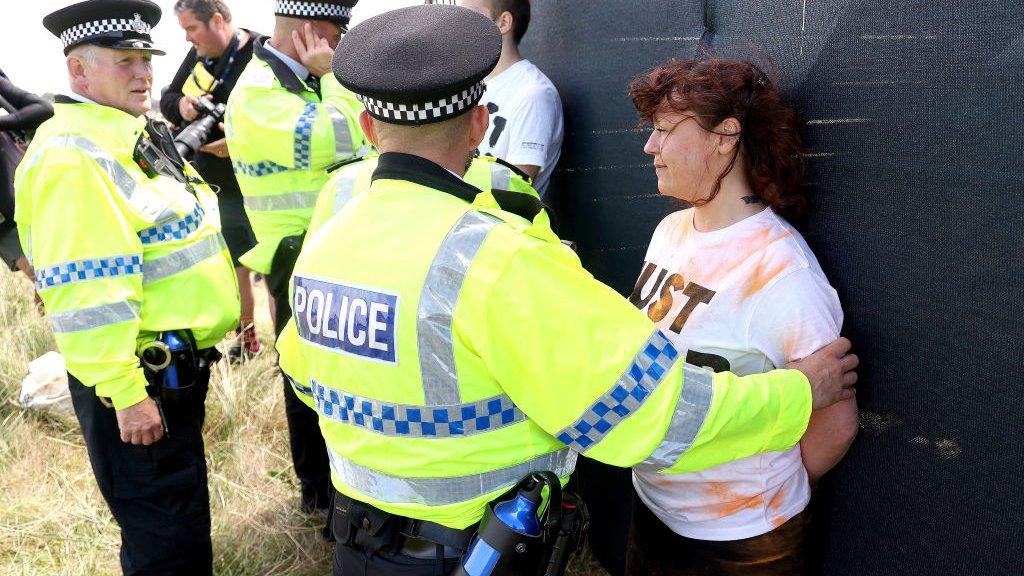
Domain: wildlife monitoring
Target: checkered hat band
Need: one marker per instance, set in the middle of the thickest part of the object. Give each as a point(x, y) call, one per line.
point(80, 32)
point(429, 112)
point(301, 9)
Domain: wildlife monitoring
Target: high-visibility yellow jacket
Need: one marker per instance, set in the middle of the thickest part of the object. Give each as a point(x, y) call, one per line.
point(485, 172)
point(119, 256)
point(452, 348)
point(282, 137)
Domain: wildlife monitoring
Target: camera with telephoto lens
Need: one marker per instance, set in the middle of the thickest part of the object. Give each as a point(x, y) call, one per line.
point(189, 140)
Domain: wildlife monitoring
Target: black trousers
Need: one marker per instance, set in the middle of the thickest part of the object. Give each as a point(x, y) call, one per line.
point(309, 452)
point(350, 560)
point(157, 493)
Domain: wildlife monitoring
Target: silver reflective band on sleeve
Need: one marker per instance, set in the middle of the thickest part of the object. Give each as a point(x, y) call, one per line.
point(94, 317)
point(286, 201)
point(152, 206)
point(631, 390)
point(183, 259)
point(342, 134)
point(437, 303)
point(691, 411)
point(343, 190)
point(501, 177)
point(442, 491)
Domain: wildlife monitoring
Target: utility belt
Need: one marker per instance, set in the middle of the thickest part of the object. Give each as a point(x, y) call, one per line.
point(361, 525)
point(175, 367)
point(513, 539)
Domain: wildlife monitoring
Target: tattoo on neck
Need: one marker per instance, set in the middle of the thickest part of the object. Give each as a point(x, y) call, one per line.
point(751, 200)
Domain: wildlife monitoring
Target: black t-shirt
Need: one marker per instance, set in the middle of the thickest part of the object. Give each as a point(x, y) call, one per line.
point(216, 171)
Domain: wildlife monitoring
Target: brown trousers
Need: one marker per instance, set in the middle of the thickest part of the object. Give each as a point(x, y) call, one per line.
point(655, 550)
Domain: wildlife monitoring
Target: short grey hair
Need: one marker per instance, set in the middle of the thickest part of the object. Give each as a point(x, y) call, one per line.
point(203, 10)
point(88, 53)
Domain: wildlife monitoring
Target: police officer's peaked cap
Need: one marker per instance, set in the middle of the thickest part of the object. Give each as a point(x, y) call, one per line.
point(122, 24)
point(337, 11)
point(419, 64)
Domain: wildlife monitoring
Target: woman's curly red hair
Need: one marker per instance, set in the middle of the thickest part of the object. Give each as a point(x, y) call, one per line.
point(716, 89)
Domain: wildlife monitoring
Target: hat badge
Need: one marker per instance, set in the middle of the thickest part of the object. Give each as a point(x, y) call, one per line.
point(137, 24)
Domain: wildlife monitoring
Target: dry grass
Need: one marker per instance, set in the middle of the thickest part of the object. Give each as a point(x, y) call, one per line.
point(53, 520)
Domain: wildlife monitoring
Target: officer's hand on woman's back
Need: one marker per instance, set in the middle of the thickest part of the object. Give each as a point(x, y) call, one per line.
point(141, 423)
point(830, 372)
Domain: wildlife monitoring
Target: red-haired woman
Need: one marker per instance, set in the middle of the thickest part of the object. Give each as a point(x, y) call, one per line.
point(737, 287)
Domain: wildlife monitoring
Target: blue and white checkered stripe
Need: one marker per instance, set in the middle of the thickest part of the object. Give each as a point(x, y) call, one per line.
point(304, 137)
point(178, 230)
point(630, 392)
point(258, 169)
point(85, 270)
point(415, 421)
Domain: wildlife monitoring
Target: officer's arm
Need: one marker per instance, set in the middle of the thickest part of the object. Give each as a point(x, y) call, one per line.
point(593, 371)
point(88, 262)
point(269, 125)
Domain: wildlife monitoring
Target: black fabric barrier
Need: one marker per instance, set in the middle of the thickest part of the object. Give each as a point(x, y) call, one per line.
point(913, 116)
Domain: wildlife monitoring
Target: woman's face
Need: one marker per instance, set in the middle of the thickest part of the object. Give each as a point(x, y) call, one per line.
point(684, 156)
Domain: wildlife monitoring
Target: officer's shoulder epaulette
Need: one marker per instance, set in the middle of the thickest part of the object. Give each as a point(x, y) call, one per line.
point(515, 169)
point(342, 163)
point(518, 203)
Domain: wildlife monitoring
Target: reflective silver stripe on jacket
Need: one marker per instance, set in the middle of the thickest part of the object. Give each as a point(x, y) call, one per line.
point(181, 260)
point(631, 390)
point(344, 189)
point(298, 387)
point(342, 135)
point(501, 177)
point(93, 317)
point(442, 491)
point(151, 205)
point(412, 421)
point(437, 303)
point(286, 201)
point(691, 411)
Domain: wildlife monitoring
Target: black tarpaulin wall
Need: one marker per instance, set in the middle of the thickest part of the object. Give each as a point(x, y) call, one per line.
point(912, 115)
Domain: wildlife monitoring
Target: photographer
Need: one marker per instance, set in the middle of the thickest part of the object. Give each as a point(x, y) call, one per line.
point(21, 113)
point(210, 70)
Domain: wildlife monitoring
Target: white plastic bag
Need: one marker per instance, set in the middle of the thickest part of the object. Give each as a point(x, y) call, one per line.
point(46, 385)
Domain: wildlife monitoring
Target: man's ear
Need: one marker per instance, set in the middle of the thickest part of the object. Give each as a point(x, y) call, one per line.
point(479, 121)
point(366, 123)
point(76, 71)
point(728, 132)
point(505, 22)
point(216, 22)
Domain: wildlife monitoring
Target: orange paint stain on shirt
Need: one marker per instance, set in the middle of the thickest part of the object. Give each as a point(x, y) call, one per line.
point(775, 508)
point(724, 500)
point(764, 273)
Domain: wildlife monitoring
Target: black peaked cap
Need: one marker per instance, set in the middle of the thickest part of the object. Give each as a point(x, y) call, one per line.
point(337, 11)
point(419, 64)
point(121, 24)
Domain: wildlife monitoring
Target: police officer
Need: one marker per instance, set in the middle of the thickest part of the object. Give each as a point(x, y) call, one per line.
point(450, 348)
point(288, 119)
point(126, 243)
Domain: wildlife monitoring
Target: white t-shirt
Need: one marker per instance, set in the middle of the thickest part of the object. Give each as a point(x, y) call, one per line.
point(747, 298)
point(526, 120)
